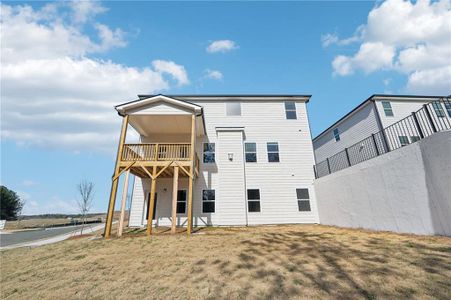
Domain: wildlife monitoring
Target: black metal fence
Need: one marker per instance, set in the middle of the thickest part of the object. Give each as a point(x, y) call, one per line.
point(429, 119)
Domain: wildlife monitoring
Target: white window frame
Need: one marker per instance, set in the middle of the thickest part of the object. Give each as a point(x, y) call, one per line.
point(300, 199)
point(271, 152)
point(254, 200)
point(290, 110)
point(209, 201)
point(387, 109)
point(250, 152)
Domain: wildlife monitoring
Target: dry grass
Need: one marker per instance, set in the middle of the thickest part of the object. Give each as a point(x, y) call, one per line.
point(304, 261)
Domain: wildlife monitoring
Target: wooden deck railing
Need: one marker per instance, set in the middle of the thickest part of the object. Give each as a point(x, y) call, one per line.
point(156, 152)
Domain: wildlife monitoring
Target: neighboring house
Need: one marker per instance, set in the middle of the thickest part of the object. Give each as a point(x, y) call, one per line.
point(218, 160)
point(376, 113)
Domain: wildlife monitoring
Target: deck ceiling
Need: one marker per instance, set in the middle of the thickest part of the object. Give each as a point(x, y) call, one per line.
point(161, 124)
point(167, 173)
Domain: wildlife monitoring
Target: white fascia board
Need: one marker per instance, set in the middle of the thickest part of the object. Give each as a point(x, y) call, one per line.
point(123, 108)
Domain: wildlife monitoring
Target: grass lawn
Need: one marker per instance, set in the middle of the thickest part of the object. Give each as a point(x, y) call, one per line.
point(295, 261)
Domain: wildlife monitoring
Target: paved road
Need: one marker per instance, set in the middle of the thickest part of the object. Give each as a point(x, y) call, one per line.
point(19, 237)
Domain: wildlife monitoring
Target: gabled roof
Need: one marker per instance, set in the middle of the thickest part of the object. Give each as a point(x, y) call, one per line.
point(142, 102)
point(373, 98)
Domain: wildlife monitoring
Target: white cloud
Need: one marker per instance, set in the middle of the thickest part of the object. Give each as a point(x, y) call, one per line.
point(28, 183)
point(177, 72)
point(213, 74)
point(369, 58)
point(412, 38)
point(54, 205)
point(221, 46)
point(332, 38)
point(54, 93)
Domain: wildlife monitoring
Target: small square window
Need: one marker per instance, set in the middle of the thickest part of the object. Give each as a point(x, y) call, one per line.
point(209, 153)
point(233, 108)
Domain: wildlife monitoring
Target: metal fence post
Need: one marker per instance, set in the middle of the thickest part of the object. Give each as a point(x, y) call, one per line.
point(328, 165)
point(375, 144)
point(347, 157)
point(420, 131)
point(428, 115)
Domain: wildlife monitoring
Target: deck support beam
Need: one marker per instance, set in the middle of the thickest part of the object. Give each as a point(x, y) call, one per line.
point(152, 201)
point(175, 183)
point(115, 181)
point(124, 199)
point(191, 178)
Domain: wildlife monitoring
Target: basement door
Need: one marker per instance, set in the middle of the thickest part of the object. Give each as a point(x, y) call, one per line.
point(231, 200)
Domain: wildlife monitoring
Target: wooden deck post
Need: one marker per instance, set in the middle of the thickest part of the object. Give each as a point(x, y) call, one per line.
point(190, 179)
point(114, 184)
point(124, 199)
point(152, 201)
point(175, 183)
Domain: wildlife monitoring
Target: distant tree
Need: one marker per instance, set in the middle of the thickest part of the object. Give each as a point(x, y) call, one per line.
point(86, 190)
point(10, 204)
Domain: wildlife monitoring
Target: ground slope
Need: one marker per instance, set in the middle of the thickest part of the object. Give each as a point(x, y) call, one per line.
point(298, 261)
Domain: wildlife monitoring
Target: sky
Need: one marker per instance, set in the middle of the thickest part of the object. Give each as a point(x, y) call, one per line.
point(66, 64)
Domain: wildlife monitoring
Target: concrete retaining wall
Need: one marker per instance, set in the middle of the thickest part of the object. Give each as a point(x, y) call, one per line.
point(407, 190)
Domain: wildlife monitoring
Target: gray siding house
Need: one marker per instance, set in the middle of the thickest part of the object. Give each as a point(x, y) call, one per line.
point(371, 116)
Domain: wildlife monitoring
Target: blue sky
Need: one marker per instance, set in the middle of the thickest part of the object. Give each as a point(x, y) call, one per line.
point(66, 64)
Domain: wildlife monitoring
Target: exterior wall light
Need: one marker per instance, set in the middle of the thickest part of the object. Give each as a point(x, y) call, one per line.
point(230, 155)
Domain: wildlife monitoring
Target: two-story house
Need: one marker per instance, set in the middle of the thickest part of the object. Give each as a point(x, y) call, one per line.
point(375, 115)
point(216, 160)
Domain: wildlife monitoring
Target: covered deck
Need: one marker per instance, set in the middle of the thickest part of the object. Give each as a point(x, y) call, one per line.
point(168, 129)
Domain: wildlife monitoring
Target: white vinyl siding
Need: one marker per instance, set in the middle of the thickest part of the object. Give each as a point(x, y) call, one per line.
point(264, 121)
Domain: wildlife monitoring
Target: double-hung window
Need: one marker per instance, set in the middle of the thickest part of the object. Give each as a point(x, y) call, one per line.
point(250, 150)
point(290, 110)
point(387, 108)
point(253, 200)
point(303, 199)
point(208, 201)
point(336, 134)
point(209, 152)
point(438, 109)
point(233, 108)
point(181, 201)
point(273, 152)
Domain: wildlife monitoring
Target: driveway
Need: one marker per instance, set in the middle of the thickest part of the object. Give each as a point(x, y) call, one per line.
point(30, 236)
